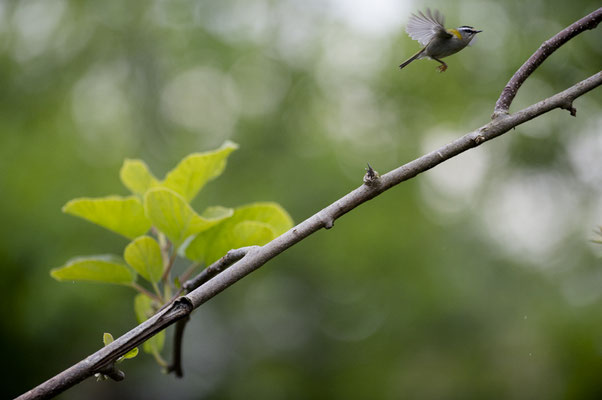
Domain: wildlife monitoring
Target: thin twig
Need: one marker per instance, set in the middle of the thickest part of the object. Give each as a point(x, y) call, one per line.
point(164, 245)
point(170, 264)
point(590, 21)
point(176, 364)
point(218, 266)
point(147, 292)
point(186, 275)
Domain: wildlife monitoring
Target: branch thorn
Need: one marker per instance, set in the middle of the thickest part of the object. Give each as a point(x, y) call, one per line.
point(371, 176)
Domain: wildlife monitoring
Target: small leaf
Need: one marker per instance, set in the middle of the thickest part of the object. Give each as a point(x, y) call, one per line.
point(144, 255)
point(254, 224)
point(136, 176)
point(194, 171)
point(102, 268)
point(210, 245)
point(144, 309)
point(124, 215)
point(107, 338)
point(130, 354)
point(172, 215)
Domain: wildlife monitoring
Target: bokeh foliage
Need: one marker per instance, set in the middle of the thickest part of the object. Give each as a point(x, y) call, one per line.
point(475, 280)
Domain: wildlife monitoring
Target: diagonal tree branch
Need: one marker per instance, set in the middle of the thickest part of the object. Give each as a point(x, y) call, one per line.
point(590, 21)
point(103, 360)
point(325, 218)
point(255, 257)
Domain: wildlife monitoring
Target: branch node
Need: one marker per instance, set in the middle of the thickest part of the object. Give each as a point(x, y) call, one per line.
point(499, 113)
point(569, 107)
point(183, 305)
point(371, 177)
point(478, 138)
point(327, 221)
point(548, 47)
point(218, 266)
point(110, 371)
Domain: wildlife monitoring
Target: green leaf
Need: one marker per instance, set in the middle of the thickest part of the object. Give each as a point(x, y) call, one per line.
point(270, 213)
point(136, 176)
point(217, 213)
point(130, 354)
point(102, 268)
point(144, 255)
point(253, 224)
point(194, 171)
point(107, 338)
point(143, 307)
point(124, 215)
point(172, 215)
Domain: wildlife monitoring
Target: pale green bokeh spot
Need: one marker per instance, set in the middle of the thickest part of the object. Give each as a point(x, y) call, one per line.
point(123, 215)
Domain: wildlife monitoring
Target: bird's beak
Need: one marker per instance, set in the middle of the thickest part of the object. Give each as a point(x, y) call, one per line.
point(479, 31)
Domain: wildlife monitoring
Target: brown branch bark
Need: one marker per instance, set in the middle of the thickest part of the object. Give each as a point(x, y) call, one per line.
point(258, 256)
point(325, 218)
point(218, 266)
point(103, 360)
point(590, 21)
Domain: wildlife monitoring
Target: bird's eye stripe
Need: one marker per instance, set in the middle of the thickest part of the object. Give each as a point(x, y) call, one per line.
point(467, 29)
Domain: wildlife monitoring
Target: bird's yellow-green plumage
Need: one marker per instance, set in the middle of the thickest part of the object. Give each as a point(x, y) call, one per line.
point(455, 32)
point(427, 28)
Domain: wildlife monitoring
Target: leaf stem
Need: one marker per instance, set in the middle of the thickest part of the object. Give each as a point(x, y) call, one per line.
point(169, 265)
point(160, 360)
point(164, 245)
point(184, 277)
point(146, 292)
point(158, 291)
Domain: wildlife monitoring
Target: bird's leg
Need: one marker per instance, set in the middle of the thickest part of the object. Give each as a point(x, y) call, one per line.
point(442, 67)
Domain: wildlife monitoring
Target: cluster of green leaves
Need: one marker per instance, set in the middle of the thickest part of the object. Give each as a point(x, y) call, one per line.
point(160, 223)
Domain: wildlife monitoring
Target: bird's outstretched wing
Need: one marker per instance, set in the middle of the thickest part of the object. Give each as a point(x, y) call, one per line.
point(423, 27)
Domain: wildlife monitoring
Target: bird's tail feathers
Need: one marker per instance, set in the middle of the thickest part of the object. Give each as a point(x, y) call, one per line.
point(414, 57)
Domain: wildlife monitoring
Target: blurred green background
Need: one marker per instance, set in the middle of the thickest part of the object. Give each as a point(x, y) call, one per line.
point(477, 279)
